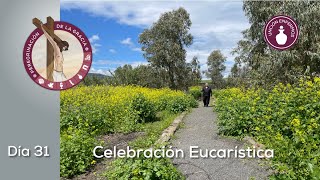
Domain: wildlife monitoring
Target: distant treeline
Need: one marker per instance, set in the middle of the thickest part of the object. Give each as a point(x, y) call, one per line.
point(143, 75)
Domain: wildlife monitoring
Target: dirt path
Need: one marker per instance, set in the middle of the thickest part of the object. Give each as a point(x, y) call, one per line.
point(200, 129)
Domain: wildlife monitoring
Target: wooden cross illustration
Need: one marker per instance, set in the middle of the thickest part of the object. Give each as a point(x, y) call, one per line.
point(49, 27)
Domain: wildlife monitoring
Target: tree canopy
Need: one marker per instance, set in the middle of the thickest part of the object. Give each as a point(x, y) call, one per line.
point(268, 66)
point(164, 45)
point(215, 68)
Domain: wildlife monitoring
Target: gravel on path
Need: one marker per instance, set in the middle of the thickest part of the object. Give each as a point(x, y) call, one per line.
point(200, 129)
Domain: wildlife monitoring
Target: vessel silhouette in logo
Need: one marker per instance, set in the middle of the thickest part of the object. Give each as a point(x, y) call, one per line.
point(281, 38)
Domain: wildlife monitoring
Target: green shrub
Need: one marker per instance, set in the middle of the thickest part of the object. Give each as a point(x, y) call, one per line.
point(93, 118)
point(179, 104)
point(144, 108)
point(195, 92)
point(193, 102)
point(108, 109)
point(76, 152)
point(143, 168)
point(285, 119)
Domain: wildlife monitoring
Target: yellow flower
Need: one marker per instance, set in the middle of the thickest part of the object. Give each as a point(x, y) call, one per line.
point(309, 83)
point(278, 137)
point(295, 122)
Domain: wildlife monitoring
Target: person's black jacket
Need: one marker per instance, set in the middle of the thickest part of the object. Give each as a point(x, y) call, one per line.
point(206, 91)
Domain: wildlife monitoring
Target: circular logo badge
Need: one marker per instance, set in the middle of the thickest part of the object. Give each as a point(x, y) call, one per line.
point(57, 56)
point(281, 32)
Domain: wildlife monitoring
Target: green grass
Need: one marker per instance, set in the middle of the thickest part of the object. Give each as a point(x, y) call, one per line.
point(153, 130)
point(146, 168)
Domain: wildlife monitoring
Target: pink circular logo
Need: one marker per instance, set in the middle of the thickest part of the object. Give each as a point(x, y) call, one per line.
point(59, 58)
point(281, 32)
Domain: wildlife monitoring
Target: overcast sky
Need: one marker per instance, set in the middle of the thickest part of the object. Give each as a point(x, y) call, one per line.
point(114, 27)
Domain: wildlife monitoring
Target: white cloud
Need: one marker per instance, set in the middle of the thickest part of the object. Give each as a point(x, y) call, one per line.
point(103, 66)
point(215, 24)
point(125, 12)
point(100, 71)
point(107, 63)
point(93, 41)
point(127, 41)
point(112, 51)
point(137, 63)
point(136, 49)
point(94, 38)
point(95, 47)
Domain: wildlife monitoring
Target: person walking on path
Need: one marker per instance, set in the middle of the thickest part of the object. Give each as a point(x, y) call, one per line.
point(206, 94)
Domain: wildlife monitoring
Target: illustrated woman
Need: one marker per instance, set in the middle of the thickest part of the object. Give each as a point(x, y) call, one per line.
point(58, 47)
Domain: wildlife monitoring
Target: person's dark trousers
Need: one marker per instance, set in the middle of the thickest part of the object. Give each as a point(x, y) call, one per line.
point(206, 100)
